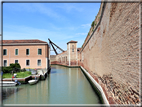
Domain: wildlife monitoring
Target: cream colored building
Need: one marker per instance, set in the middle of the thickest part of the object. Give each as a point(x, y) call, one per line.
point(28, 53)
point(69, 57)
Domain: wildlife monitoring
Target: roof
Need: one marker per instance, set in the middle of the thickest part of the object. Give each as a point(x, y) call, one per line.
point(78, 49)
point(23, 41)
point(72, 41)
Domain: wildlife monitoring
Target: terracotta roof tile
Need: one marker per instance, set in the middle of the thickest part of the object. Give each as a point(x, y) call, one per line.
point(72, 41)
point(23, 41)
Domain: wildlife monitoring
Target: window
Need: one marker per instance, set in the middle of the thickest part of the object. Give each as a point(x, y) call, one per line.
point(16, 61)
point(5, 52)
point(27, 62)
point(39, 62)
point(16, 51)
point(27, 51)
point(39, 51)
point(72, 48)
point(5, 63)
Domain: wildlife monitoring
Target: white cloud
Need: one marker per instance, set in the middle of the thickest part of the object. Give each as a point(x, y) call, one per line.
point(33, 7)
point(86, 25)
point(81, 33)
point(23, 32)
point(45, 10)
point(68, 7)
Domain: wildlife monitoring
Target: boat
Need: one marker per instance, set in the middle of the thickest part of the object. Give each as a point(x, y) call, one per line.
point(7, 83)
point(32, 82)
point(41, 73)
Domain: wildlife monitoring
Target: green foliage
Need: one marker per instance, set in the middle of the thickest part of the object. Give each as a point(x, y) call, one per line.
point(23, 74)
point(16, 67)
point(7, 75)
point(19, 74)
point(7, 69)
point(23, 70)
point(13, 67)
point(88, 33)
point(92, 24)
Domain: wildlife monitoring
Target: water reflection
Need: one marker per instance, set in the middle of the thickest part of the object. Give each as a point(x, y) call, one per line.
point(53, 72)
point(8, 91)
point(62, 86)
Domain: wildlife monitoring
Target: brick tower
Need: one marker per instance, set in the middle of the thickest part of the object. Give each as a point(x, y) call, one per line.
point(72, 52)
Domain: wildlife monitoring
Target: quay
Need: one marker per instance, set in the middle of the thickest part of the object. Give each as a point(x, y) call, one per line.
point(25, 80)
point(105, 69)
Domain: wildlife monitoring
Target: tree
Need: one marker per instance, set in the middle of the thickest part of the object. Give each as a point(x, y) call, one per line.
point(15, 67)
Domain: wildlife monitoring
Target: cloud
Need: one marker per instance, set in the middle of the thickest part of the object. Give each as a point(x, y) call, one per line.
point(33, 8)
point(86, 25)
point(45, 10)
point(24, 32)
point(68, 7)
point(81, 33)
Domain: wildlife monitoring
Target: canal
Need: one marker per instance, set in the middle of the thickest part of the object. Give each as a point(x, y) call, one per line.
point(62, 86)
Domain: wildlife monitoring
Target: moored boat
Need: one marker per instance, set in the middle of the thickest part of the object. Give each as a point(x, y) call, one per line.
point(41, 73)
point(7, 83)
point(32, 82)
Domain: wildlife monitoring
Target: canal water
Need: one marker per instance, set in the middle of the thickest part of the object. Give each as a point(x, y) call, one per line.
point(62, 86)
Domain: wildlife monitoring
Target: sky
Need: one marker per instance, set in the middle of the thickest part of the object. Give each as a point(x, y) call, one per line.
point(60, 22)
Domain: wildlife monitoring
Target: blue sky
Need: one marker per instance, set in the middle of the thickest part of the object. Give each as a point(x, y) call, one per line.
point(61, 22)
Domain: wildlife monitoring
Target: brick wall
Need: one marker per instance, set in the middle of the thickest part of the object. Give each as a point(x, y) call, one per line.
point(112, 53)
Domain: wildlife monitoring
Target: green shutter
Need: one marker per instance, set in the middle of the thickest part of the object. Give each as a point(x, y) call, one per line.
point(27, 51)
point(39, 51)
point(16, 51)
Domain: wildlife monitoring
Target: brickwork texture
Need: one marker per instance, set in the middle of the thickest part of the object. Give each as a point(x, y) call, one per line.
point(112, 54)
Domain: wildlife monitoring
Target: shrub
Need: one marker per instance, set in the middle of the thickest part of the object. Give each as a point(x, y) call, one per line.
point(7, 69)
point(15, 67)
point(23, 70)
point(92, 24)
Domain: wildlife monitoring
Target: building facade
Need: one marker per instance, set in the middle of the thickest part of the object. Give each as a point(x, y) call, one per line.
point(28, 53)
point(69, 57)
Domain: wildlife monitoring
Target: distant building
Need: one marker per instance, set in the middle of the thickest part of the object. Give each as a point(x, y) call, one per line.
point(72, 52)
point(68, 57)
point(28, 53)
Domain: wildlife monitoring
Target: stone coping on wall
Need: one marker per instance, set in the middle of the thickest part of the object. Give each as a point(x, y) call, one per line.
point(97, 85)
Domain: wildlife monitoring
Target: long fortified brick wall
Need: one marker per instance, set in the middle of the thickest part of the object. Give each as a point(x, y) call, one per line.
point(112, 54)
